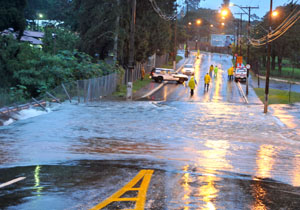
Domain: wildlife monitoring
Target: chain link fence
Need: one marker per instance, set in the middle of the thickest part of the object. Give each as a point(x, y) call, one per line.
point(87, 90)
point(81, 91)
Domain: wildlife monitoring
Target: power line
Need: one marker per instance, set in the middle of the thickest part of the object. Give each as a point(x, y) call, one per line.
point(160, 12)
point(291, 19)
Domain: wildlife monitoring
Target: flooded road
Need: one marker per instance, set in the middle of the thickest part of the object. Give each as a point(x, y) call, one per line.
point(220, 89)
point(205, 154)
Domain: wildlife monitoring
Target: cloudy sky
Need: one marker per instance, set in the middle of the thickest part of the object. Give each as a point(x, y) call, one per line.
point(264, 5)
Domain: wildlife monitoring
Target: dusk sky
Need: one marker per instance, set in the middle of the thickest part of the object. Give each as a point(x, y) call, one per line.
point(264, 5)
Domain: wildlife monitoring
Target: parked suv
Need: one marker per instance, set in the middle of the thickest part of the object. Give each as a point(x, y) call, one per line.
point(162, 74)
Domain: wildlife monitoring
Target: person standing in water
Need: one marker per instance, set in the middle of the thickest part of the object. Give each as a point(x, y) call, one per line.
point(192, 84)
point(211, 68)
point(216, 71)
point(206, 81)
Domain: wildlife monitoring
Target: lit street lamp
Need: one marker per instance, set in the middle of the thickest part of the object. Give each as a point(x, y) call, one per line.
point(40, 16)
point(224, 12)
point(198, 23)
point(275, 13)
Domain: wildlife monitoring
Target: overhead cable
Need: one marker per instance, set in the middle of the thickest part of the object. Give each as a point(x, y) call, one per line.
point(160, 12)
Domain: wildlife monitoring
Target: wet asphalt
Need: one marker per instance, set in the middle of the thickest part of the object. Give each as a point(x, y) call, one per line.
point(209, 151)
point(220, 90)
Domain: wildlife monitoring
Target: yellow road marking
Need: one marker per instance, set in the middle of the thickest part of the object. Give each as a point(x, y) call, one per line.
point(145, 176)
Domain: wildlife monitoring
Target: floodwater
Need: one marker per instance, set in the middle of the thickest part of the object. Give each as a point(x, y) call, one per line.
point(220, 88)
point(206, 154)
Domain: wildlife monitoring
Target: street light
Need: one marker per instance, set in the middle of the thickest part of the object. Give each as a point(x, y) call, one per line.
point(275, 13)
point(211, 25)
point(198, 22)
point(186, 54)
point(224, 12)
point(40, 16)
point(223, 24)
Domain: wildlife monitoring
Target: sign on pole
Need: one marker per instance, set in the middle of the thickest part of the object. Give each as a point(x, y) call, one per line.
point(239, 59)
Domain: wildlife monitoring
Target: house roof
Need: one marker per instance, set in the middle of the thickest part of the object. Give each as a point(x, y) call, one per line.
point(32, 40)
point(35, 34)
point(28, 36)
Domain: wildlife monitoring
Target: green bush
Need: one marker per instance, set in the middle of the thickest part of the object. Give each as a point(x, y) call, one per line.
point(29, 71)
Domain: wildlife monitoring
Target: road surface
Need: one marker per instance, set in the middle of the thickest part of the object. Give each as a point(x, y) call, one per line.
point(221, 89)
point(211, 151)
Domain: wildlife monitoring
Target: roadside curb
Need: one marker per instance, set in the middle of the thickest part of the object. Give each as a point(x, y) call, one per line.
point(278, 80)
point(162, 84)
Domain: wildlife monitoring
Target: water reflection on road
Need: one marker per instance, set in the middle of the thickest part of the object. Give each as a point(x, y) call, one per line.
point(212, 155)
point(207, 152)
point(220, 89)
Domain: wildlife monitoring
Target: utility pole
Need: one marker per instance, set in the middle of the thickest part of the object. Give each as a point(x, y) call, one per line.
point(237, 36)
point(175, 39)
point(248, 44)
point(248, 27)
point(241, 27)
point(131, 50)
point(116, 38)
point(187, 12)
point(268, 61)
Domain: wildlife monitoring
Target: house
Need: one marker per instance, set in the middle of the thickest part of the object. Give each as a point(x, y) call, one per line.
point(33, 37)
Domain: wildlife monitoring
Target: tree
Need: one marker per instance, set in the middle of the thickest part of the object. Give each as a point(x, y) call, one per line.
point(57, 39)
point(153, 33)
point(97, 27)
point(12, 15)
point(59, 10)
point(194, 4)
point(34, 71)
point(286, 46)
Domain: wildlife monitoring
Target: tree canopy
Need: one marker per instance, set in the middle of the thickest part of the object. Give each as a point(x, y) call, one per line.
point(287, 46)
point(98, 27)
point(12, 15)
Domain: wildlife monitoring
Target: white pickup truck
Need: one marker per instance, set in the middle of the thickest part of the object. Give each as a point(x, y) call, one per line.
point(162, 74)
point(240, 74)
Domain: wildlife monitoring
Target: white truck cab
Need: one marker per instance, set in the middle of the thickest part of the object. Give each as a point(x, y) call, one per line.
point(162, 74)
